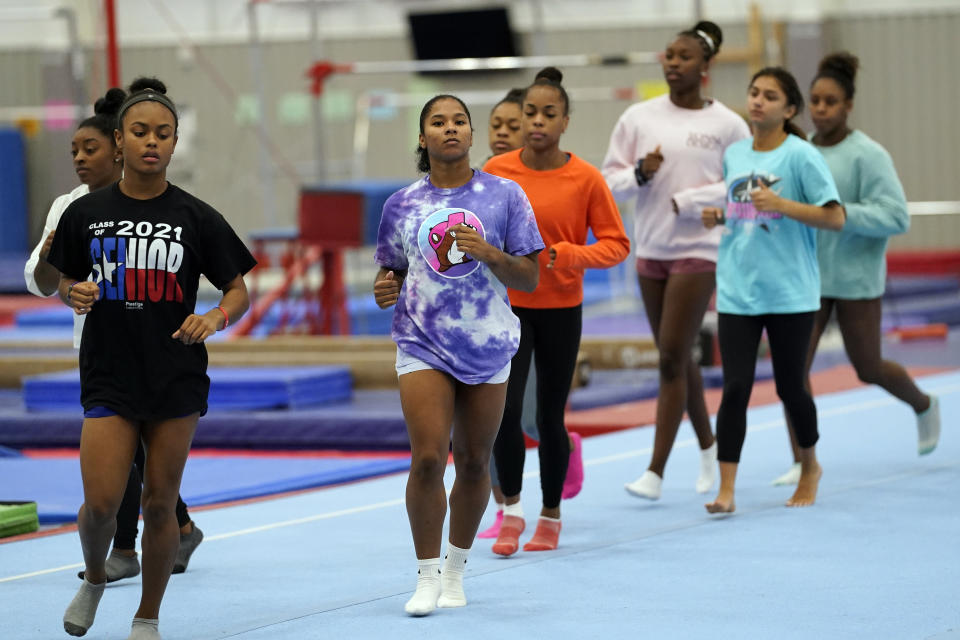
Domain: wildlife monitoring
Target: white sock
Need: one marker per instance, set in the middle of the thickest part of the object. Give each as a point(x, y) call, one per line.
point(648, 486)
point(451, 580)
point(792, 476)
point(708, 468)
point(928, 427)
point(144, 629)
point(83, 608)
point(513, 510)
point(424, 599)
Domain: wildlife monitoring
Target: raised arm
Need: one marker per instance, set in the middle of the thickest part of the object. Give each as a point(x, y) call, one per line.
point(612, 245)
point(42, 278)
point(386, 286)
point(688, 203)
point(620, 164)
point(829, 216)
point(882, 208)
point(517, 272)
point(233, 304)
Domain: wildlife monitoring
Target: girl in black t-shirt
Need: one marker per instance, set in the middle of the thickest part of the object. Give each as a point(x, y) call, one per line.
point(142, 359)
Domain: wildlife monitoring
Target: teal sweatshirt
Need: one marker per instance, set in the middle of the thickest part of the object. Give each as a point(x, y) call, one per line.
point(853, 260)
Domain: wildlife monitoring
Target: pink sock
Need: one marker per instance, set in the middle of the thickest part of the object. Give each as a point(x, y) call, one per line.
point(574, 480)
point(508, 541)
point(546, 537)
point(494, 528)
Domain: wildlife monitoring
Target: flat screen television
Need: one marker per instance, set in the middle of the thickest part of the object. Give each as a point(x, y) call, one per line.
point(475, 33)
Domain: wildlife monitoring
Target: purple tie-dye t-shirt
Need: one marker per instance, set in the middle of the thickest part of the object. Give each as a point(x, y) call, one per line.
point(453, 312)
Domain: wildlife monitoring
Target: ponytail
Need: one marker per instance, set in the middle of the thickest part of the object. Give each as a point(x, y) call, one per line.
point(791, 127)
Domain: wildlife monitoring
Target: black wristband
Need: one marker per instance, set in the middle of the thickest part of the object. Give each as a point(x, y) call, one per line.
point(638, 174)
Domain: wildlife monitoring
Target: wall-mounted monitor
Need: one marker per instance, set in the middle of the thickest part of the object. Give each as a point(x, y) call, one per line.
point(475, 33)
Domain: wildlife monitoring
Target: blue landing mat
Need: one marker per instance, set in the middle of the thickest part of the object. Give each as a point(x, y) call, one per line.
point(371, 420)
point(616, 386)
point(230, 388)
point(54, 483)
point(898, 288)
point(930, 309)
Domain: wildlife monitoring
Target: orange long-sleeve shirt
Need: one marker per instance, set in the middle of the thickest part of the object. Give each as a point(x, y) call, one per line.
point(567, 202)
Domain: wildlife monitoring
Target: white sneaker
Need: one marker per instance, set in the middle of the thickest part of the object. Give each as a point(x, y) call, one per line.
point(928, 427)
point(647, 486)
point(790, 477)
point(708, 468)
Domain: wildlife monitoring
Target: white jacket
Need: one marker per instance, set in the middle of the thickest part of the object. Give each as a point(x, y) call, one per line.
point(53, 219)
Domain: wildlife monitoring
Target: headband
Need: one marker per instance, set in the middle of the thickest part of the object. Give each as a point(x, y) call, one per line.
point(703, 35)
point(143, 96)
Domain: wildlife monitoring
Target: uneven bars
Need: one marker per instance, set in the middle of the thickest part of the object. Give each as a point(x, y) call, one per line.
point(319, 71)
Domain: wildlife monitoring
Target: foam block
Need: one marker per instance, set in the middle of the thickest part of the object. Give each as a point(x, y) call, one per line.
point(230, 388)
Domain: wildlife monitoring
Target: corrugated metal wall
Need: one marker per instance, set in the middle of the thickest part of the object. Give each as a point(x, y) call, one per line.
point(907, 96)
point(906, 99)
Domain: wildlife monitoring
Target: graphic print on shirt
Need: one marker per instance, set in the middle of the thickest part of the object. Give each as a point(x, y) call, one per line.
point(437, 239)
point(138, 263)
point(740, 209)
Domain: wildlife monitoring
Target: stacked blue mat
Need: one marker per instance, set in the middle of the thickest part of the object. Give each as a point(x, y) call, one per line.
point(230, 388)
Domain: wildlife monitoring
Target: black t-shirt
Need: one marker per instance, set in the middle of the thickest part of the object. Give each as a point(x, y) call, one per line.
point(147, 257)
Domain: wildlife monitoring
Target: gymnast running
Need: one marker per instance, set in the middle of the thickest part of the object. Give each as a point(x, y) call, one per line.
point(448, 247)
point(779, 192)
point(98, 163)
point(852, 262)
point(142, 358)
point(569, 197)
point(667, 152)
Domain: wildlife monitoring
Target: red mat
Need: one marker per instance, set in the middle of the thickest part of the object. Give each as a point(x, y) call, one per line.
point(591, 422)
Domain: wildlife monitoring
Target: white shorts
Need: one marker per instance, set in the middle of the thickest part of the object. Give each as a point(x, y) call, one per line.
point(406, 363)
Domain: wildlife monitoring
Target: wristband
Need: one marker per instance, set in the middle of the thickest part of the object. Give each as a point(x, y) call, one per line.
point(70, 289)
point(226, 318)
point(638, 174)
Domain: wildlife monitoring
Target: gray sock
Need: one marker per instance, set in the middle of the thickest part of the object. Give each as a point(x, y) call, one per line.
point(144, 629)
point(83, 608)
point(119, 566)
point(188, 544)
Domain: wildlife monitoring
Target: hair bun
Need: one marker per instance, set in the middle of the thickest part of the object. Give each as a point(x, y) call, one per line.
point(842, 63)
point(145, 84)
point(110, 103)
point(712, 30)
point(550, 73)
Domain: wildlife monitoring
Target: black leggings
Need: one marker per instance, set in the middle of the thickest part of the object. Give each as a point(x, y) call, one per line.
point(129, 513)
point(789, 337)
point(553, 337)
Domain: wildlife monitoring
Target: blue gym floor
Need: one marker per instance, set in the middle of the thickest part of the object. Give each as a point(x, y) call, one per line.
point(876, 557)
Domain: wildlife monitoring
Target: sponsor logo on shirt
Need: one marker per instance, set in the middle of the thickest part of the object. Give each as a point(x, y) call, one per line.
point(704, 140)
point(740, 209)
point(437, 238)
point(139, 263)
